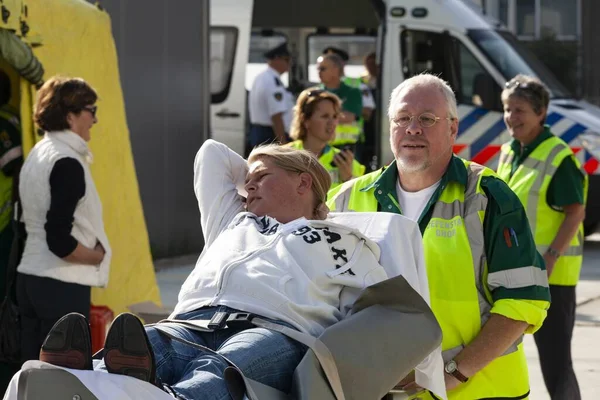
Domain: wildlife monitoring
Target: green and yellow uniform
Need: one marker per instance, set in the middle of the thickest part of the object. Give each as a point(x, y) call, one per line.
point(481, 260)
point(326, 158)
point(351, 102)
point(11, 156)
point(547, 176)
point(11, 153)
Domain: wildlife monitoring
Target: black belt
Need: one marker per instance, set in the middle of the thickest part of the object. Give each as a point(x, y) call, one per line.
point(224, 319)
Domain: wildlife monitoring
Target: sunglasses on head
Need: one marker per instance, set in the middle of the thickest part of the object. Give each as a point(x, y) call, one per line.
point(517, 84)
point(316, 92)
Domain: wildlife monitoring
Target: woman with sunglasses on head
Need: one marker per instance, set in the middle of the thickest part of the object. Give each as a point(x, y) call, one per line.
point(313, 128)
point(66, 250)
point(550, 182)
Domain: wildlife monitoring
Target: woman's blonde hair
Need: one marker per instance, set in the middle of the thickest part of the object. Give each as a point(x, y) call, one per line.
point(298, 161)
point(305, 107)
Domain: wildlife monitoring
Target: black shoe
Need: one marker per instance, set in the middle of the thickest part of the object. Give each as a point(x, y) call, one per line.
point(127, 350)
point(69, 343)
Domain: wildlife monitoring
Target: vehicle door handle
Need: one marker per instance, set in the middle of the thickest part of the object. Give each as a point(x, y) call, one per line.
point(225, 113)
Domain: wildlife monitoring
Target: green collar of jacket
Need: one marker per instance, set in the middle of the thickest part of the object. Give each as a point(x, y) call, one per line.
point(384, 188)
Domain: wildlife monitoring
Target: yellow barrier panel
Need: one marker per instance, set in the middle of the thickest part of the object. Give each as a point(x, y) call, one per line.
point(76, 40)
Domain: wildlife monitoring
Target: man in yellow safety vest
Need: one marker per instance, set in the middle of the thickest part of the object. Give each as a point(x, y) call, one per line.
point(487, 282)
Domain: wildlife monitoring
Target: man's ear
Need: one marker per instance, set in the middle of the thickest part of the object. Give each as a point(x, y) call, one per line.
point(305, 183)
point(454, 128)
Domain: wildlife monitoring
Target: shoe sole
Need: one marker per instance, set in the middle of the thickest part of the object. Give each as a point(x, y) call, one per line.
point(127, 350)
point(58, 347)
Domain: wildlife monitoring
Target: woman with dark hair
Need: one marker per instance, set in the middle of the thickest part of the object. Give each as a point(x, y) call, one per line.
point(66, 251)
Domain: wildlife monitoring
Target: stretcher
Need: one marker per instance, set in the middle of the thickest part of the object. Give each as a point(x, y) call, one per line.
point(390, 332)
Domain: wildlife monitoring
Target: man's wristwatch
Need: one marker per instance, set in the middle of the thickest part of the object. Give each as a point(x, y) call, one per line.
point(553, 252)
point(452, 369)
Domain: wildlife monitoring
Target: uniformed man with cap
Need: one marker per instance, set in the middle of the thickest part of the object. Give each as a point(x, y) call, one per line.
point(269, 102)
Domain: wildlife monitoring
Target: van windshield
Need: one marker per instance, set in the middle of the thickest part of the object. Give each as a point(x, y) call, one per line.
point(511, 58)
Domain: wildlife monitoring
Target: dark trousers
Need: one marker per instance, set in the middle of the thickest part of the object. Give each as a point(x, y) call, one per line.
point(7, 370)
point(553, 341)
point(260, 134)
point(42, 302)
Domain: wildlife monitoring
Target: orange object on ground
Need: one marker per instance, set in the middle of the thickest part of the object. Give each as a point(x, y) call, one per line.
point(100, 319)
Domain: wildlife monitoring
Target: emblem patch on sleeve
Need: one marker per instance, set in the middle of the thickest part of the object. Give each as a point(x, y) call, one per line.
point(278, 96)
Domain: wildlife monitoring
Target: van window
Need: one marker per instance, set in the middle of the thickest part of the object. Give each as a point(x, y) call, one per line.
point(357, 46)
point(424, 51)
point(477, 87)
point(510, 57)
point(448, 58)
point(259, 44)
point(223, 41)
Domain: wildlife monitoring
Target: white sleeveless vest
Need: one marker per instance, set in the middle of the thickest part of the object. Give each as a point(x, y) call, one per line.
point(88, 227)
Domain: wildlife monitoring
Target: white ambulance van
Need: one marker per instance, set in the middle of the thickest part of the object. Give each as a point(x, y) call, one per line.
point(475, 54)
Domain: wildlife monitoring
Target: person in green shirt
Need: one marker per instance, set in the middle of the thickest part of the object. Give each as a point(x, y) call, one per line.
point(331, 71)
point(545, 174)
point(487, 281)
point(313, 127)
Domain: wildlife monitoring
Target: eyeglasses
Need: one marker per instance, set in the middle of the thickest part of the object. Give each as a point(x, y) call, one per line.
point(426, 120)
point(92, 110)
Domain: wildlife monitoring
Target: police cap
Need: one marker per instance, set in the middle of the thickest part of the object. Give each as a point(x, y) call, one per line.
point(279, 51)
point(339, 52)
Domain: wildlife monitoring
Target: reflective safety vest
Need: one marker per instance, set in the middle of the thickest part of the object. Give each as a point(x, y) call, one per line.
point(353, 132)
point(457, 272)
point(530, 182)
point(325, 160)
point(352, 82)
point(6, 182)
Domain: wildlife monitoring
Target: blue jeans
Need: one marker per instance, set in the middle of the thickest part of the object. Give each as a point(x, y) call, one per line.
point(266, 356)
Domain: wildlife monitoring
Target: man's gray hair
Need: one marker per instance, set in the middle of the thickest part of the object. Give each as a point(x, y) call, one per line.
point(335, 60)
point(424, 80)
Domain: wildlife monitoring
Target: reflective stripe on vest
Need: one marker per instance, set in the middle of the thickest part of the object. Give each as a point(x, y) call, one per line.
point(11, 115)
point(457, 272)
point(461, 211)
point(347, 133)
point(530, 182)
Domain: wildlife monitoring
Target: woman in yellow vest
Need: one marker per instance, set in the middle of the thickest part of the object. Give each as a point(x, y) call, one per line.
point(544, 173)
point(313, 127)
